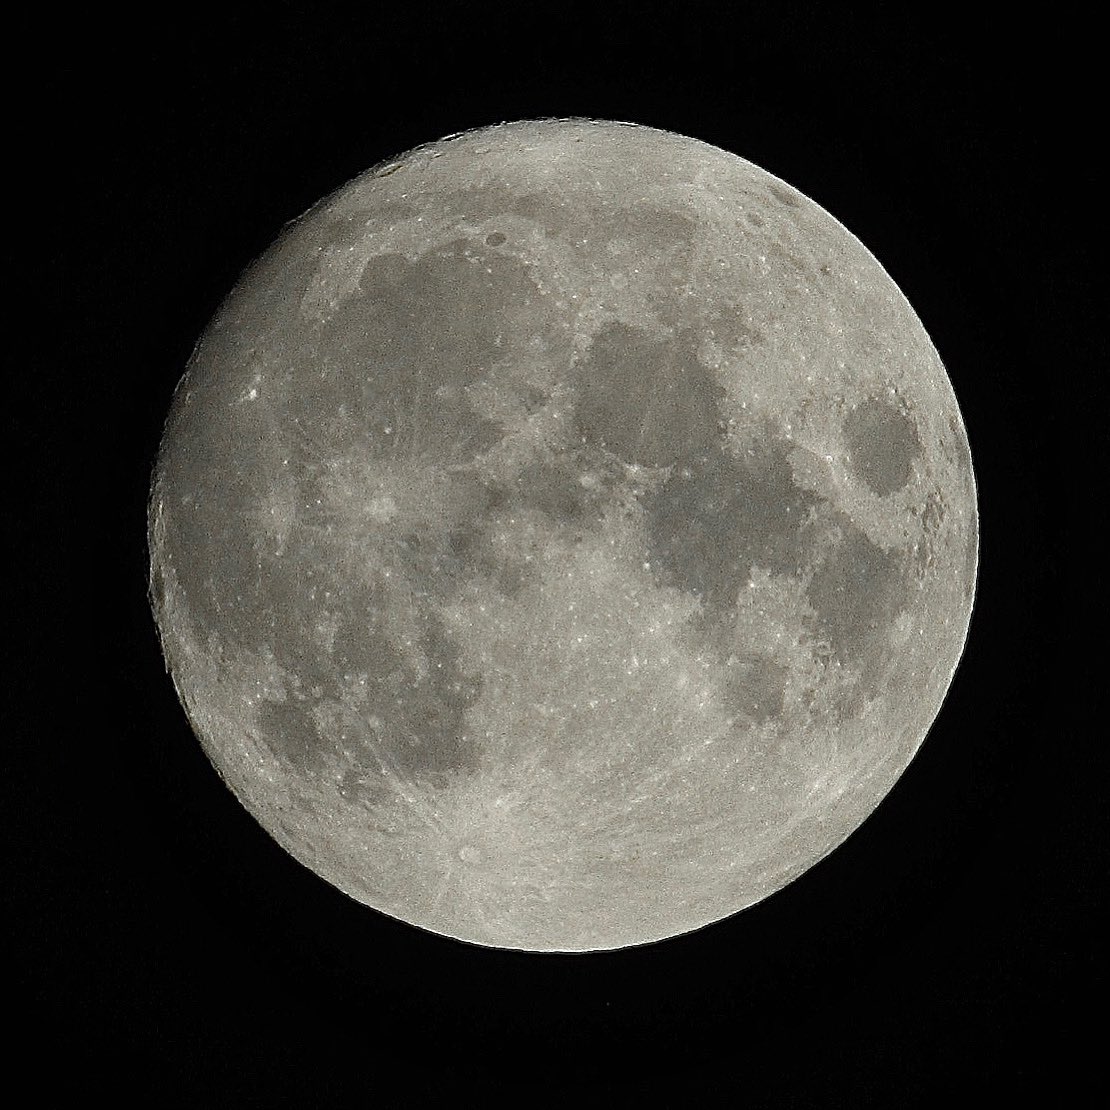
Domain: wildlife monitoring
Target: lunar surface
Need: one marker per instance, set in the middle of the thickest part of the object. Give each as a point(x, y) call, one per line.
point(564, 536)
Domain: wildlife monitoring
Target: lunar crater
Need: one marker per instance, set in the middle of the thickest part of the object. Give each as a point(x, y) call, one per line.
point(883, 443)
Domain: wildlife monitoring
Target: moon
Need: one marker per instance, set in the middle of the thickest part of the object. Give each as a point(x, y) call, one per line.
point(564, 536)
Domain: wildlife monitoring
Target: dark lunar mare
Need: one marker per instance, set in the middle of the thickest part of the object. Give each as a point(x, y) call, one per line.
point(648, 402)
point(882, 444)
point(718, 515)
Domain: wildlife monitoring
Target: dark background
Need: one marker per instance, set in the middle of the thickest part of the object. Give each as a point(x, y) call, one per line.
point(165, 947)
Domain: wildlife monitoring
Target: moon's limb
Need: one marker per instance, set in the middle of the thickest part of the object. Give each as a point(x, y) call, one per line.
point(563, 536)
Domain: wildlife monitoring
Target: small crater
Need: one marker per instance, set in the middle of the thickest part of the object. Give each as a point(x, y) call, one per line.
point(495, 239)
point(531, 397)
point(755, 220)
point(882, 444)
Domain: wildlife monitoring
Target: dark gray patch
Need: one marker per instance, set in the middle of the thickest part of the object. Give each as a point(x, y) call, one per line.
point(661, 227)
point(531, 397)
point(756, 687)
point(575, 220)
point(647, 402)
point(783, 197)
point(572, 216)
point(717, 516)
point(555, 492)
point(290, 733)
point(733, 330)
point(427, 733)
point(882, 444)
point(440, 562)
point(784, 258)
point(495, 239)
point(512, 577)
point(360, 646)
point(418, 717)
point(437, 562)
point(225, 586)
point(400, 353)
point(856, 591)
point(298, 602)
point(466, 554)
point(544, 210)
point(754, 219)
point(413, 722)
point(553, 486)
point(393, 212)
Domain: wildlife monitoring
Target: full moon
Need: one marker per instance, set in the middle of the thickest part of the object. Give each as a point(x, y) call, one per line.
point(564, 536)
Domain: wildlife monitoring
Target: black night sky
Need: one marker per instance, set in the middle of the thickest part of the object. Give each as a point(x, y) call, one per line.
point(165, 948)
